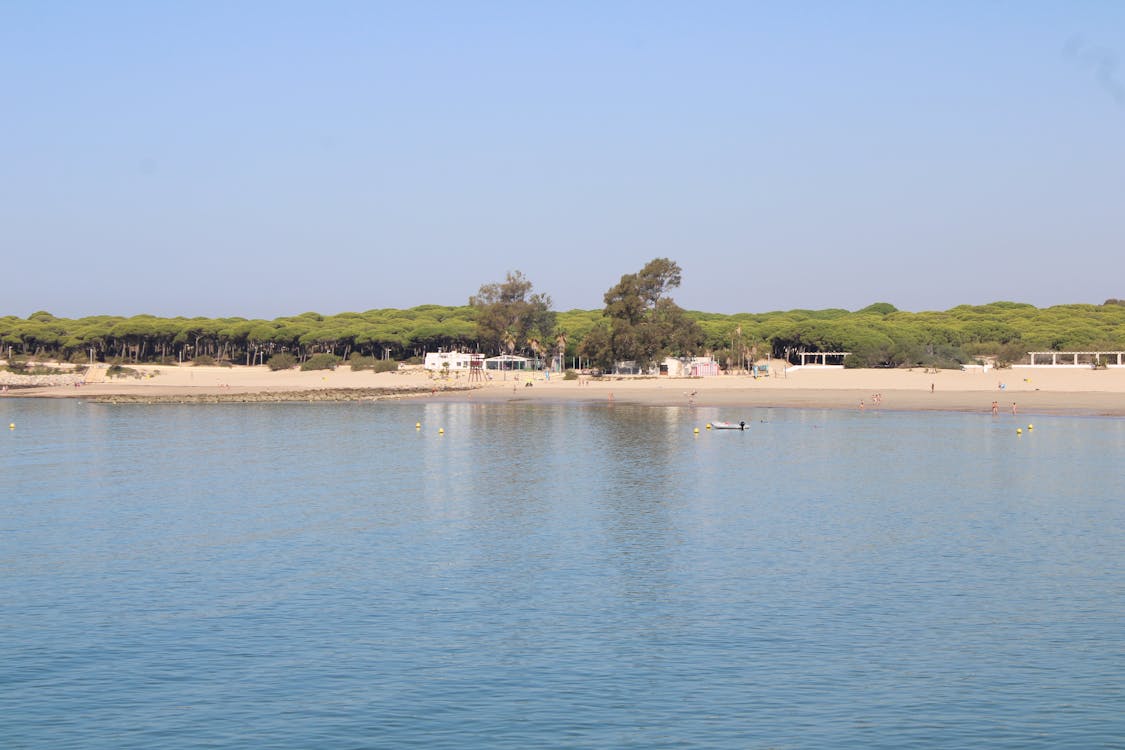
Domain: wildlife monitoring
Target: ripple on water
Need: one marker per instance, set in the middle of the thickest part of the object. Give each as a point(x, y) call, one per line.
point(290, 575)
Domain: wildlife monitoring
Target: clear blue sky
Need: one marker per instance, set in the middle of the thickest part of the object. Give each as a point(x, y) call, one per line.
point(267, 158)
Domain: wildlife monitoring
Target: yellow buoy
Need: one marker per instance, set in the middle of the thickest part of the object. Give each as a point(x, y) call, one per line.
point(696, 430)
point(417, 425)
point(1019, 431)
point(708, 425)
point(12, 426)
point(1031, 427)
point(441, 430)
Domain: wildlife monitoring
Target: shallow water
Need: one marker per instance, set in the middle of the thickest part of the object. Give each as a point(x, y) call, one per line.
point(293, 576)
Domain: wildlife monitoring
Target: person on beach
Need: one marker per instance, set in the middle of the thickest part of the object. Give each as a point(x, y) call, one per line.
point(995, 408)
point(931, 387)
point(1013, 407)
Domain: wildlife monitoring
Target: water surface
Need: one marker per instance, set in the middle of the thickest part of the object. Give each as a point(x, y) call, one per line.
point(318, 575)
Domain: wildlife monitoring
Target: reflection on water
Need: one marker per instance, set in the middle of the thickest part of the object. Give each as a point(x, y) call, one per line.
point(296, 575)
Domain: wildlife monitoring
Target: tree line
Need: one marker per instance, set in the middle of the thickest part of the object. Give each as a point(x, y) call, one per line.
point(639, 323)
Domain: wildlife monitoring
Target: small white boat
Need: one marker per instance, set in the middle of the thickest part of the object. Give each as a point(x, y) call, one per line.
point(728, 425)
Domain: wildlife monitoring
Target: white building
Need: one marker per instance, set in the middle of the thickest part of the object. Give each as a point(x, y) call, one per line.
point(452, 361)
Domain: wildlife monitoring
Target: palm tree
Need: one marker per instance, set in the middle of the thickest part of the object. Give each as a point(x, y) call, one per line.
point(560, 345)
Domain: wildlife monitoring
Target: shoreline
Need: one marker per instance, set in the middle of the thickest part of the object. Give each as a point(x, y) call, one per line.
point(262, 397)
point(1056, 404)
point(1041, 391)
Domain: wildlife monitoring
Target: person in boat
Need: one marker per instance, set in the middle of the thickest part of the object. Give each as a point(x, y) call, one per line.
point(742, 424)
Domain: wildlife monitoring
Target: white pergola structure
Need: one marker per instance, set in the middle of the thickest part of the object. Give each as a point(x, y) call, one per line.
point(823, 357)
point(1074, 357)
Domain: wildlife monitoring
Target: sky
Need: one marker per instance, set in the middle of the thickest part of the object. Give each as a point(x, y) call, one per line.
point(263, 159)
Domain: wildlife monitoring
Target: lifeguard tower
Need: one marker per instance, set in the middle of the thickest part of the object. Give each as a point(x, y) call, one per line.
point(476, 370)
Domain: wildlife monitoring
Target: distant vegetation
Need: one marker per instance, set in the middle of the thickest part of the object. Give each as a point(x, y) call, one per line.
point(639, 322)
point(507, 317)
point(358, 363)
point(117, 371)
point(322, 361)
point(282, 361)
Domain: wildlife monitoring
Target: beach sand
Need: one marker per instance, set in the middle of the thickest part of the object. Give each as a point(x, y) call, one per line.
point(1058, 390)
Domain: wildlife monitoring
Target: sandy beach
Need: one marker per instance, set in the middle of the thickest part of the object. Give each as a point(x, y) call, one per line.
point(1043, 390)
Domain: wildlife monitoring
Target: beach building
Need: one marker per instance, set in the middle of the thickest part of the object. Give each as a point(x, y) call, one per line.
point(512, 362)
point(689, 367)
point(675, 367)
point(451, 361)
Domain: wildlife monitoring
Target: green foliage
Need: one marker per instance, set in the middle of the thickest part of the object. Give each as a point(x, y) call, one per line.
point(281, 361)
point(1008, 354)
point(119, 371)
point(23, 367)
point(358, 362)
point(510, 319)
point(203, 360)
point(570, 375)
point(640, 323)
point(321, 362)
point(879, 308)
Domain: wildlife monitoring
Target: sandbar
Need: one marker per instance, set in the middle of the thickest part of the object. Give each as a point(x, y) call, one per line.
point(1040, 390)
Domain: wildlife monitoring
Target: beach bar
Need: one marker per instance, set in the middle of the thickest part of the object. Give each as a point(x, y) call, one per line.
point(512, 362)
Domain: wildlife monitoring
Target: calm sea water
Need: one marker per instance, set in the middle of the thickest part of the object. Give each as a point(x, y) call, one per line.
point(558, 576)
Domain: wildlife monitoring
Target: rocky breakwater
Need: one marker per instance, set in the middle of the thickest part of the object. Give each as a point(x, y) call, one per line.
point(15, 380)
